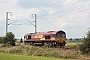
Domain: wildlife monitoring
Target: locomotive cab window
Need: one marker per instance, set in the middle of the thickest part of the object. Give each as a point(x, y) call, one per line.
point(47, 37)
point(29, 37)
point(63, 35)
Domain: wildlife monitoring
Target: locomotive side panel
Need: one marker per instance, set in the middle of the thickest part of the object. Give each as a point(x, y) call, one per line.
point(46, 36)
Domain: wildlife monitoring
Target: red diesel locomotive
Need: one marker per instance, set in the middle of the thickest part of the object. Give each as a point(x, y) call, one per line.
point(51, 38)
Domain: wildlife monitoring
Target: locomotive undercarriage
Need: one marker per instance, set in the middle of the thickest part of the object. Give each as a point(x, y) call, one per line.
point(45, 43)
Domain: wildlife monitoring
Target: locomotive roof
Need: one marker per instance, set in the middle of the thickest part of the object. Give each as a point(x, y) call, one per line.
point(44, 33)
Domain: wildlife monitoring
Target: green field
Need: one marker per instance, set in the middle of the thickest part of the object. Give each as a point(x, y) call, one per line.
point(4, 56)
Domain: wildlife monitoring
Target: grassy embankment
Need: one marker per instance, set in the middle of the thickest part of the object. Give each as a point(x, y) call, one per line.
point(4, 56)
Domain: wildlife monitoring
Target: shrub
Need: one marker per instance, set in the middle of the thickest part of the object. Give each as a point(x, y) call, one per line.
point(2, 39)
point(21, 40)
point(85, 46)
point(9, 39)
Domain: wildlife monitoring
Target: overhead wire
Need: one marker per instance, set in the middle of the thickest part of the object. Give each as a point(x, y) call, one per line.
point(66, 10)
point(49, 6)
point(67, 15)
point(41, 7)
point(55, 12)
point(62, 16)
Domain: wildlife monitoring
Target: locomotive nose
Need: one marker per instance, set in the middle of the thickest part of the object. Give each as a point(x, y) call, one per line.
point(60, 38)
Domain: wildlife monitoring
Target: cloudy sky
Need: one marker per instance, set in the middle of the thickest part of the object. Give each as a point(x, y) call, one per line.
point(71, 16)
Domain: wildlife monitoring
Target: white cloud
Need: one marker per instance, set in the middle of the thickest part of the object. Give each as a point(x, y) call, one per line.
point(51, 11)
point(60, 22)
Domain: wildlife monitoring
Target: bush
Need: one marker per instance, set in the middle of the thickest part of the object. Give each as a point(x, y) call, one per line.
point(21, 41)
point(9, 39)
point(2, 39)
point(85, 46)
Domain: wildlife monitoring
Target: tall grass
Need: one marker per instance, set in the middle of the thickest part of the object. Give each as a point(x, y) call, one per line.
point(70, 51)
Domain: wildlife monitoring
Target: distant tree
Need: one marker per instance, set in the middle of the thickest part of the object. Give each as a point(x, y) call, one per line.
point(9, 39)
point(85, 46)
point(21, 40)
point(2, 39)
point(70, 39)
point(76, 39)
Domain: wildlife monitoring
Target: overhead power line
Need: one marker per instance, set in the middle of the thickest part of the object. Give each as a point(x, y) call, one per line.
point(87, 5)
point(52, 4)
point(12, 22)
point(66, 15)
point(16, 24)
point(42, 7)
point(58, 16)
point(59, 11)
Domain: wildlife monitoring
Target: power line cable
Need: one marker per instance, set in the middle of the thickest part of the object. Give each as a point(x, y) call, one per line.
point(66, 10)
point(42, 7)
point(67, 14)
point(56, 17)
point(49, 19)
point(54, 4)
point(48, 6)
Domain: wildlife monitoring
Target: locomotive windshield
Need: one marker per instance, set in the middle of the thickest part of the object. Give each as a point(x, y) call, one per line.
point(60, 34)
